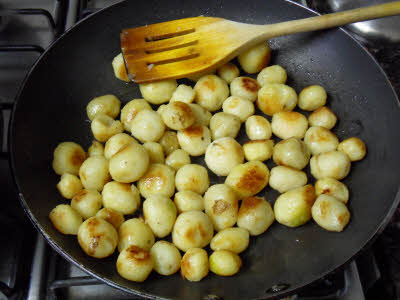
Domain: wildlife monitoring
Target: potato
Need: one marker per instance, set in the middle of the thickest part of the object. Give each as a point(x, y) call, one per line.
point(193, 178)
point(197, 76)
point(284, 179)
point(160, 214)
point(225, 263)
point(228, 72)
point(69, 185)
point(276, 97)
point(117, 143)
point(222, 155)
point(96, 149)
point(255, 215)
point(87, 203)
point(224, 125)
point(194, 264)
point(130, 110)
point(203, 116)
point(293, 208)
point(135, 264)
point(287, 124)
point(323, 117)
point(258, 128)
point(221, 205)
point(119, 68)
point(158, 92)
point(320, 140)
point(169, 142)
point(94, 173)
point(183, 93)
point(256, 58)
point(233, 239)
point(312, 97)
point(332, 187)
point(245, 88)
point(97, 237)
point(239, 107)
point(188, 200)
point(166, 257)
point(107, 104)
point(156, 152)
point(211, 91)
point(258, 150)
point(65, 219)
point(137, 233)
point(354, 148)
point(113, 217)
point(129, 164)
point(121, 197)
point(330, 213)
point(248, 179)
point(68, 158)
point(272, 74)
point(195, 139)
point(292, 152)
point(158, 180)
point(178, 115)
point(192, 229)
point(103, 127)
point(177, 159)
point(147, 126)
point(334, 164)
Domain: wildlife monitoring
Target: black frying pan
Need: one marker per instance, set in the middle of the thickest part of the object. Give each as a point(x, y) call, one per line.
point(51, 108)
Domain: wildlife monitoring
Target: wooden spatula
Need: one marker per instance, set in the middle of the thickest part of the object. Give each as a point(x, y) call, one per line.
point(185, 47)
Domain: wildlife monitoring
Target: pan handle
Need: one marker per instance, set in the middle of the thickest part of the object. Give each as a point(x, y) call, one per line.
point(4, 106)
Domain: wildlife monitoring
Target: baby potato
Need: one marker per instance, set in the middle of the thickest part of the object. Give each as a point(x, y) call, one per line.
point(103, 127)
point(239, 107)
point(183, 93)
point(258, 128)
point(211, 91)
point(177, 159)
point(130, 110)
point(166, 257)
point(135, 232)
point(147, 126)
point(225, 263)
point(116, 143)
point(312, 97)
point(287, 124)
point(94, 173)
point(284, 179)
point(248, 179)
point(158, 180)
point(272, 74)
point(293, 208)
point(332, 187)
point(330, 213)
point(354, 148)
point(158, 92)
point(255, 215)
point(224, 125)
point(228, 72)
point(121, 197)
point(87, 203)
point(245, 88)
point(258, 150)
point(188, 200)
point(276, 97)
point(178, 115)
point(69, 185)
point(192, 177)
point(169, 142)
point(322, 117)
point(160, 214)
point(156, 152)
point(292, 152)
point(97, 237)
point(234, 239)
point(194, 264)
point(192, 229)
point(222, 155)
point(334, 164)
point(203, 116)
point(256, 58)
point(195, 139)
point(135, 264)
point(119, 68)
point(320, 140)
point(65, 219)
point(107, 104)
point(68, 158)
point(113, 217)
point(96, 149)
point(129, 164)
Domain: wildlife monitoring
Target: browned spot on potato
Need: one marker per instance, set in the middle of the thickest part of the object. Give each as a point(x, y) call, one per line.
point(210, 84)
point(250, 84)
point(309, 194)
point(93, 244)
point(137, 254)
point(255, 142)
point(269, 103)
point(125, 187)
point(92, 224)
point(326, 191)
point(252, 180)
point(131, 115)
point(186, 266)
point(78, 197)
point(78, 157)
point(343, 218)
point(57, 216)
point(321, 136)
point(249, 204)
point(323, 208)
point(291, 116)
point(194, 232)
point(220, 206)
point(194, 131)
point(111, 217)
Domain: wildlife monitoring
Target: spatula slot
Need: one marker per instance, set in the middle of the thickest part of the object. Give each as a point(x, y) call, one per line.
point(175, 59)
point(172, 47)
point(169, 35)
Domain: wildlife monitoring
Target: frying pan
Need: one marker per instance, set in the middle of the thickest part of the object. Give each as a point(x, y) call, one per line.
point(51, 108)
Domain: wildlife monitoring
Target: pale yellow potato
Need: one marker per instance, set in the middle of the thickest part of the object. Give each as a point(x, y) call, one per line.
point(87, 203)
point(169, 142)
point(284, 179)
point(94, 172)
point(107, 104)
point(156, 152)
point(323, 117)
point(211, 91)
point(160, 214)
point(65, 219)
point(312, 97)
point(178, 115)
point(258, 150)
point(194, 264)
point(330, 213)
point(192, 177)
point(134, 264)
point(272, 74)
point(113, 217)
point(147, 126)
point(177, 159)
point(320, 140)
point(293, 208)
point(224, 125)
point(68, 158)
point(96, 149)
point(183, 93)
point(130, 110)
point(245, 88)
point(334, 164)
point(224, 263)
point(118, 65)
point(239, 107)
point(158, 92)
point(97, 237)
point(103, 127)
point(255, 215)
point(228, 72)
point(137, 233)
point(117, 143)
point(195, 139)
point(248, 179)
point(188, 200)
point(292, 152)
point(121, 197)
point(166, 257)
point(203, 116)
point(69, 185)
point(158, 180)
point(256, 58)
point(223, 155)
point(287, 124)
point(354, 148)
point(332, 187)
point(234, 239)
point(276, 97)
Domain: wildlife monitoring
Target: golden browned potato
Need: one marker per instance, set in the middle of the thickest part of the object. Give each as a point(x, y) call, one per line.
point(276, 97)
point(135, 264)
point(156, 152)
point(272, 74)
point(119, 68)
point(147, 126)
point(69, 185)
point(323, 117)
point(107, 104)
point(113, 217)
point(137, 233)
point(116, 143)
point(166, 257)
point(256, 58)
point(103, 127)
point(193, 178)
point(122, 197)
point(284, 179)
point(258, 150)
point(178, 115)
point(188, 200)
point(332, 187)
point(158, 92)
point(239, 107)
point(225, 263)
point(130, 110)
point(287, 124)
point(312, 97)
point(160, 214)
point(177, 159)
point(334, 164)
point(96, 149)
point(68, 158)
point(211, 91)
point(320, 140)
point(158, 180)
point(203, 116)
point(255, 215)
point(234, 239)
point(330, 213)
point(194, 264)
point(169, 142)
point(87, 203)
point(183, 93)
point(245, 88)
point(195, 139)
point(224, 125)
point(94, 172)
point(291, 153)
point(354, 148)
point(228, 72)
point(65, 219)
point(258, 128)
